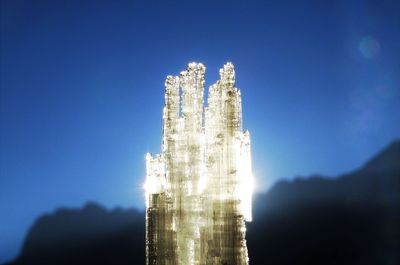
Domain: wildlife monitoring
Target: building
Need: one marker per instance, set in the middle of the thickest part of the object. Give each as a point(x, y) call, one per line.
point(199, 188)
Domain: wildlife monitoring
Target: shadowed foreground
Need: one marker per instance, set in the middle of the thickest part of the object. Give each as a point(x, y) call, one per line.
point(354, 219)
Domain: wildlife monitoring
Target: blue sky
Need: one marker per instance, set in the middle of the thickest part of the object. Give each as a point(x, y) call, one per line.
point(82, 86)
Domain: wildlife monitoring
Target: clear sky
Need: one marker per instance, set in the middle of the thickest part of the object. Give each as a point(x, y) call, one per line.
point(82, 89)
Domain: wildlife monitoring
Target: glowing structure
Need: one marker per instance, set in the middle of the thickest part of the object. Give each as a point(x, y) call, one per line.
point(198, 190)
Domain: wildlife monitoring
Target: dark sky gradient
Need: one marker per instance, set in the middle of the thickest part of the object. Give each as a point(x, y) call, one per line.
point(82, 90)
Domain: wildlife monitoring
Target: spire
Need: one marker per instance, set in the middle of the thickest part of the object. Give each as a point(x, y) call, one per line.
point(227, 75)
point(192, 84)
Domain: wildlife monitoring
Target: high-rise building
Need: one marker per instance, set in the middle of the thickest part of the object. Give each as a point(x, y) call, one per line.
point(199, 188)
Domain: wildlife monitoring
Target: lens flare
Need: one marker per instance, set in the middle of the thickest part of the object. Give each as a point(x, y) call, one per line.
point(369, 47)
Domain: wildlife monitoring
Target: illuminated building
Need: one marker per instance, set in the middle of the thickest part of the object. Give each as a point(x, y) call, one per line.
point(199, 188)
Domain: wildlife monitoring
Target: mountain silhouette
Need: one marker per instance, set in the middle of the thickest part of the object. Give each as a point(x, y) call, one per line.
point(91, 235)
point(352, 219)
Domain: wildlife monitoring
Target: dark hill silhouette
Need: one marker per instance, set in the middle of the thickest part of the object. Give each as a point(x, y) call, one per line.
point(353, 219)
point(91, 235)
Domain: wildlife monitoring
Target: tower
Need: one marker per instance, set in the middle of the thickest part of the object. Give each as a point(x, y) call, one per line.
point(199, 188)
